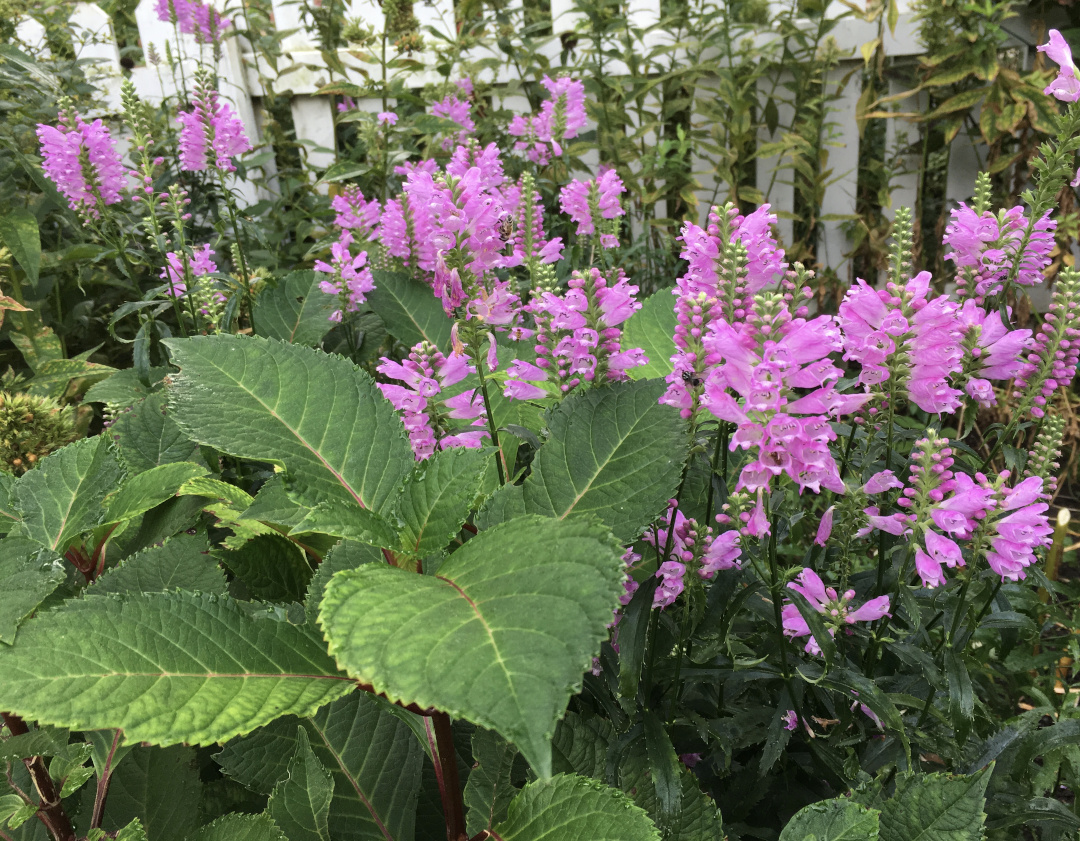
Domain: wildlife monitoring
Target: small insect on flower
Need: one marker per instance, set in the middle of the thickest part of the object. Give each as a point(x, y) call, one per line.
point(506, 226)
point(693, 379)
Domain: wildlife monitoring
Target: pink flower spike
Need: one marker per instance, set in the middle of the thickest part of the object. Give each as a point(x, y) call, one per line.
point(825, 527)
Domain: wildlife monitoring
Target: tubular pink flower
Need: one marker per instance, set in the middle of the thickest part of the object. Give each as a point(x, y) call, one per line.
point(210, 134)
point(350, 281)
point(198, 265)
point(457, 111)
point(1066, 87)
point(836, 609)
point(83, 163)
point(356, 214)
point(594, 205)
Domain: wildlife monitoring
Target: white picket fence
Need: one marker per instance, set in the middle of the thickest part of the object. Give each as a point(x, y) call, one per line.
point(244, 79)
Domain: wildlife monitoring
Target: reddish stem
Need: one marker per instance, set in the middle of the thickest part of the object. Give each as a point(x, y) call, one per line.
point(51, 810)
point(446, 774)
point(103, 785)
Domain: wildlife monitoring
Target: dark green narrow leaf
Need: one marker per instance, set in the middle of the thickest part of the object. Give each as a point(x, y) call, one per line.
point(697, 820)
point(961, 696)
point(489, 791)
point(818, 630)
point(300, 804)
point(633, 628)
point(664, 768)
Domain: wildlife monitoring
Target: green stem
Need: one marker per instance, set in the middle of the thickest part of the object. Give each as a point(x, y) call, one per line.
point(500, 458)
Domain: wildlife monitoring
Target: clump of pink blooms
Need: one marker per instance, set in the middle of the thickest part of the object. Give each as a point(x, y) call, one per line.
point(689, 546)
point(356, 214)
point(198, 264)
point(211, 134)
point(594, 205)
point(80, 158)
point(431, 414)
point(456, 111)
point(578, 339)
point(350, 278)
point(561, 117)
point(193, 17)
point(837, 610)
point(1054, 352)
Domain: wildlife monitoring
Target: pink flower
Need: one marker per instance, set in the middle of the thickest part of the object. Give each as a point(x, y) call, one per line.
point(387, 118)
point(82, 161)
point(1020, 528)
point(671, 583)
point(355, 213)
point(825, 527)
point(210, 128)
point(836, 609)
point(590, 203)
point(457, 111)
point(790, 719)
point(939, 551)
point(199, 265)
point(1066, 86)
point(560, 118)
point(351, 280)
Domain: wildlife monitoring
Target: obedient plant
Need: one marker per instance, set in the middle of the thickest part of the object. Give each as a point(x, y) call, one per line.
point(544, 560)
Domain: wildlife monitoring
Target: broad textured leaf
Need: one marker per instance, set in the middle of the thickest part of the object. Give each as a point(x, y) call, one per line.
point(165, 668)
point(8, 517)
point(410, 310)
point(37, 343)
point(568, 808)
point(500, 636)
point(295, 310)
point(124, 388)
point(651, 328)
point(271, 567)
point(273, 505)
point(348, 554)
point(318, 415)
point(158, 786)
point(144, 491)
point(936, 807)
point(489, 790)
point(698, 818)
point(832, 820)
point(436, 499)
point(238, 827)
point(300, 804)
point(614, 453)
point(63, 496)
point(348, 520)
point(505, 504)
point(28, 574)
point(580, 745)
point(372, 753)
point(19, 232)
point(148, 436)
point(182, 562)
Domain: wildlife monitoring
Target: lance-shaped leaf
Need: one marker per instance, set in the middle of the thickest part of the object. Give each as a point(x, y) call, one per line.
point(614, 453)
point(569, 808)
point(300, 804)
point(652, 329)
point(318, 415)
point(436, 499)
point(409, 310)
point(62, 497)
point(165, 668)
point(295, 310)
point(500, 636)
point(28, 573)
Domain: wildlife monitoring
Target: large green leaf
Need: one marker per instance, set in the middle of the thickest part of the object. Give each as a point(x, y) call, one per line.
point(410, 310)
point(182, 562)
point(158, 786)
point(437, 497)
point(239, 827)
point(318, 415)
point(270, 566)
point(272, 505)
point(615, 453)
point(28, 573)
point(569, 808)
point(8, 517)
point(295, 310)
point(698, 819)
point(300, 804)
point(124, 388)
point(936, 807)
point(832, 820)
point(489, 790)
point(148, 436)
point(165, 668)
point(19, 232)
point(500, 636)
point(144, 491)
point(63, 496)
point(652, 328)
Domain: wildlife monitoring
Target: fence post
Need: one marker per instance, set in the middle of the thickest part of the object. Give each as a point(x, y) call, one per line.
point(93, 39)
point(842, 164)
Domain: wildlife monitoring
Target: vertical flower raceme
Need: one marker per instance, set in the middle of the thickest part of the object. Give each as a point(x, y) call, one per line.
point(578, 338)
point(836, 610)
point(686, 546)
point(1055, 349)
point(356, 214)
point(1043, 457)
point(528, 239)
point(484, 158)
point(431, 420)
point(350, 279)
point(1017, 527)
point(1066, 86)
point(207, 25)
point(406, 223)
point(196, 266)
point(456, 111)
point(81, 159)
point(211, 133)
point(907, 345)
point(991, 352)
point(594, 206)
point(560, 119)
